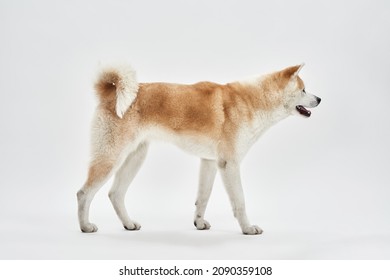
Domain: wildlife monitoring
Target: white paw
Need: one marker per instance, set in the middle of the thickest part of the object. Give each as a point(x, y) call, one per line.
point(88, 228)
point(132, 226)
point(252, 230)
point(201, 224)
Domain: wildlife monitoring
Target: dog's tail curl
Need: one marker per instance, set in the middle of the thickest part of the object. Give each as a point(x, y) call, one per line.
point(117, 84)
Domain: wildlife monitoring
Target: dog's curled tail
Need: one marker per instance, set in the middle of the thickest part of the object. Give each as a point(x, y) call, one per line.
point(117, 84)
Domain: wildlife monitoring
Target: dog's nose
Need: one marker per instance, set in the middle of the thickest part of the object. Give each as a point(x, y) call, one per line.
point(318, 100)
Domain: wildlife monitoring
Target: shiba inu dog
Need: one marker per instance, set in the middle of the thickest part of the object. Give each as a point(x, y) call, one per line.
point(218, 123)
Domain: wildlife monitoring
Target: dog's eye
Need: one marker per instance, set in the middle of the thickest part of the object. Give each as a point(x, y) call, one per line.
point(303, 91)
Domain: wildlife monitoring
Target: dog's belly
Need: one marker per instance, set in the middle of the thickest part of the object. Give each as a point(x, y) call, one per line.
point(200, 146)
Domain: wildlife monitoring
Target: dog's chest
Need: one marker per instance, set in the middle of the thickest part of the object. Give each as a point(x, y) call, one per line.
point(250, 132)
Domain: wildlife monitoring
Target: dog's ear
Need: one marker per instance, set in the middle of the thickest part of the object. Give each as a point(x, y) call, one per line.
point(299, 69)
point(293, 71)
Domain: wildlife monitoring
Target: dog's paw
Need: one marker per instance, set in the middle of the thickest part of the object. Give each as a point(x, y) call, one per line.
point(132, 226)
point(201, 224)
point(88, 228)
point(252, 230)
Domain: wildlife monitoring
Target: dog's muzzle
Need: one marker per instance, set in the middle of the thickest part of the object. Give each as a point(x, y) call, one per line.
point(305, 112)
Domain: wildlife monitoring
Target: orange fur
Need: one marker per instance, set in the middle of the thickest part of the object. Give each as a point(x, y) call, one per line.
point(183, 109)
point(98, 170)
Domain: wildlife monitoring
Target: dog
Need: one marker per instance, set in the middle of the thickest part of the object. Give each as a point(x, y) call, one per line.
point(218, 123)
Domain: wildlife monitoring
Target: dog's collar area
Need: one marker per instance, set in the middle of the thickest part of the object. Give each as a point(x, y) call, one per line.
point(303, 111)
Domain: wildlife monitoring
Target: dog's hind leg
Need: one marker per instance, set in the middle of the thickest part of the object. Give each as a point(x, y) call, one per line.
point(99, 172)
point(104, 163)
point(123, 178)
point(208, 169)
point(230, 173)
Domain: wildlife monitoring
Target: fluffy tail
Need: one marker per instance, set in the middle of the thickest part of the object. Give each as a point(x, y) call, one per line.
point(117, 85)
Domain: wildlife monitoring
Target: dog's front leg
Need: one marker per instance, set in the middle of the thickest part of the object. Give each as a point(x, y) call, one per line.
point(230, 173)
point(208, 170)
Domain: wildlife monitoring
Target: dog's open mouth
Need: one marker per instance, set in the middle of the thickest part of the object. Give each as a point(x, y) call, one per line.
point(303, 111)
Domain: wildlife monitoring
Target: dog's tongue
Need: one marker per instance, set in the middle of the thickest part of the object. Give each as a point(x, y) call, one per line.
point(303, 111)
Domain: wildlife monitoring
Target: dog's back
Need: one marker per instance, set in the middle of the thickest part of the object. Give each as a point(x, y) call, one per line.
point(184, 109)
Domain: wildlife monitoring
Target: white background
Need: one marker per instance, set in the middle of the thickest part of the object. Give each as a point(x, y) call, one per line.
point(319, 187)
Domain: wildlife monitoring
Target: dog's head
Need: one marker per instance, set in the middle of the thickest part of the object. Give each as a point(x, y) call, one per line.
point(295, 98)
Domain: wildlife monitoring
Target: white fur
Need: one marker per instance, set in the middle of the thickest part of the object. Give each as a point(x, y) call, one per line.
point(201, 147)
point(122, 181)
point(208, 170)
point(127, 92)
point(251, 132)
point(308, 100)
